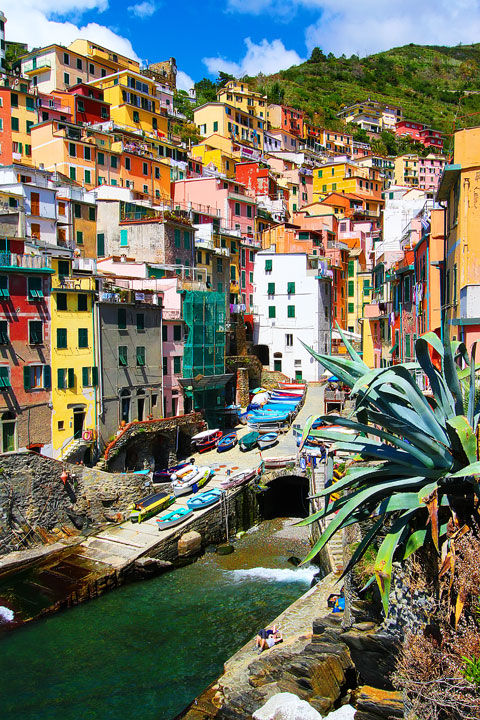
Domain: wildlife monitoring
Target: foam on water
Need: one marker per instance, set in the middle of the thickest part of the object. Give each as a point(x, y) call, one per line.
point(6, 615)
point(304, 575)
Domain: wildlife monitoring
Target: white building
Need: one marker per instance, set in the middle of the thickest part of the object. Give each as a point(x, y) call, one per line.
point(293, 303)
point(3, 20)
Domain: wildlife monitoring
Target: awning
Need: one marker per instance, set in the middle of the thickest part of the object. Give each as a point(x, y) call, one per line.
point(349, 335)
point(447, 181)
point(202, 382)
point(390, 352)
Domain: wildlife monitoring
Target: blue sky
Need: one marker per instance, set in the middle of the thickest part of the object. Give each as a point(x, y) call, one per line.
point(242, 36)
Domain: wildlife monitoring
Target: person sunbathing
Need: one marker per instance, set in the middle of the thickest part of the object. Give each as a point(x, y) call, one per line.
point(264, 633)
point(267, 642)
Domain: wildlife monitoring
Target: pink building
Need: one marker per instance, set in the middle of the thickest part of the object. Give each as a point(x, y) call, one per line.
point(227, 198)
point(430, 170)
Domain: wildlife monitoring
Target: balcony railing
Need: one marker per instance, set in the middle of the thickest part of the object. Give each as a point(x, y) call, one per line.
point(33, 66)
point(172, 315)
point(60, 282)
point(26, 262)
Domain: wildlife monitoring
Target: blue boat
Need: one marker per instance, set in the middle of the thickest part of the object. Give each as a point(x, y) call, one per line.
point(227, 442)
point(173, 518)
point(203, 500)
point(264, 417)
point(160, 476)
point(267, 440)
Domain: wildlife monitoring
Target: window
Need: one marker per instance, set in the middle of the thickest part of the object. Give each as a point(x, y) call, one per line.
point(89, 376)
point(291, 311)
point(289, 340)
point(165, 366)
point(88, 180)
point(127, 163)
point(66, 78)
point(91, 213)
point(3, 332)
point(4, 377)
point(79, 237)
point(14, 100)
point(177, 237)
point(61, 301)
point(145, 168)
point(35, 291)
point(215, 126)
point(271, 289)
point(291, 288)
point(140, 322)
point(186, 240)
point(268, 265)
point(122, 319)
point(351, 268)
point(91, 69)
point(101, 158)
point(351, 288)
point(72, 173)
point(28, 126)
point(66, 59)
point(177, 332)
point(37, 377)
point(237, 208)
point(122, 355)
point(72, 149)
point(35, 332)
point(219, 265)
point(61, 338)
point(83, 337)
point(351, 307)
point(15, 124)
point(114, 162)
point(177, 364)
point(272, 311)
point(100, 244)
point(140, 356)
point(104, 113)
point(82, 302)
point(136, 116)
point(123, 237)
point(79, 64)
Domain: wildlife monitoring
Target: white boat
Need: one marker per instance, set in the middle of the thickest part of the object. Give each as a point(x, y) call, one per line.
point(237, 478)
point(182, 472)
point(185, 485)
point(277, 462)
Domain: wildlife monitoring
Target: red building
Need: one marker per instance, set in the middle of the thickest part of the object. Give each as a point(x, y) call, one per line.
point(420, 132)
point(292, 120)
point(257, 178)
point(5, 127)
point(89, 105)
point(248, 251)
point(25, 372)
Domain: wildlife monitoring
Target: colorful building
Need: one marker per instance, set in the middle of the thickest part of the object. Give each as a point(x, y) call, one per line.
point(18, 114)
point(422, 172)
point(230, 122)
point(286, 118)
point(238, 94)
point(420, 133)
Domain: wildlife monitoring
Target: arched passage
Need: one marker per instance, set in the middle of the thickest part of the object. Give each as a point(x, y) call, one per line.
point(263, 353)
point(286, 497)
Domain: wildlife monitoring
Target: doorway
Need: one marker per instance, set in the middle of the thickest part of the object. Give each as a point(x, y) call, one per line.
point(78, 422)
point(125, 406)
point(8, 432)
point(140, 405)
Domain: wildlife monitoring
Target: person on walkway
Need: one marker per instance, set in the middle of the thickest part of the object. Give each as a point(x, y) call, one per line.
point(264, 633)
point(270, 641)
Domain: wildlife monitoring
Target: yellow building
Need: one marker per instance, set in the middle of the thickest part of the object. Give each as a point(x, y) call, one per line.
point(133, 102)
point(230, 122)
point(18, 112)
point(238, 94)
point(73, 352)
point(104, 57)
point(407, 170)
point(207, 153)
point(358, 289)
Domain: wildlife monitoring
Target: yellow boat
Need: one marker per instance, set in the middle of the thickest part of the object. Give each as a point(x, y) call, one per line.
point(151, 505)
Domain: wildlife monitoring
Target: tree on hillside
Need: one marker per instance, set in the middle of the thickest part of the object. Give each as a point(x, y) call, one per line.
point(317, 56)
point(182, 103)
point(223, 78)
point(276, 93)
point(206, 91)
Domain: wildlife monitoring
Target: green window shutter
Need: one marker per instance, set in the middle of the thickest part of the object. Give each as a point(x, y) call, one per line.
point(351, 307)
point(291, 311)
point(61, 378)
point(35, 290)
point(177, 237)
point(177, 332)
point(83, 337)
point(94, 376)
point(186, 240)
point(47, 377)
point(123, 238)
point(73, 173)
point(351, 268)
point(165, 366)
point(26, 377)
point(268, 265)
point(77, 209)
point(271, 289)
point(5, 377)
point(3, 332)
point(177, 364)
point(79, 237)
point(82, 302)
point(320, 173)
point(88, 177)
point(291, 288)
point(140, 356)
point(140, 321)
point(85, 376)
point(351, 288)
point(233, 276)
point(100, 244)
point(62, 301)
point(165, 333)
point(271, 311)
point(71, 377)
point(122, 319)
point(244, 278)
point(91, 212)
point(4, 292)
point(61, 338)
point(123, 355)
point(35, 332)
point(63, 268)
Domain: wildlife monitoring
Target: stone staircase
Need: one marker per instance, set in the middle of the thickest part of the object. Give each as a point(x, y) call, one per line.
point(75, 451)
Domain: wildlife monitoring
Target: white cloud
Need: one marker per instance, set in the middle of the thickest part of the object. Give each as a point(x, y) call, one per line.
point(143, 9)
point(368, 26)
point(30, 21)
point(184, 81)
point(266, 57)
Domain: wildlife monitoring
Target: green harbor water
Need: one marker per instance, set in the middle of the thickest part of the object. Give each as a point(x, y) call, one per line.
point(149, 648)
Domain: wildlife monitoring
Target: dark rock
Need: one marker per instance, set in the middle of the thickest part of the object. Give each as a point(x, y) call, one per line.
point(373, 655)
point(374, 704)
point(364, 626)
point(225, 549)
point(211, 549)
point(293, 560)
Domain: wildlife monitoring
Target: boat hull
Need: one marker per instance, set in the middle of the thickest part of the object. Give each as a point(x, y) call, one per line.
point(249, 441)
point(204, 500)
point(267, 440)
point(237, 479)
point(227, 442)
point(174, 518)
point(277, 462)
point(151, 505)
point(185, 485)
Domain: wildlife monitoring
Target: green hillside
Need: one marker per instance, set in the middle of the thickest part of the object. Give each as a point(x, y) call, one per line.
point(433, 84)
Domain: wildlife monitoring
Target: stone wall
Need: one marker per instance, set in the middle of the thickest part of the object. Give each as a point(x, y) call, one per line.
point(250, 362)
point(35, 504)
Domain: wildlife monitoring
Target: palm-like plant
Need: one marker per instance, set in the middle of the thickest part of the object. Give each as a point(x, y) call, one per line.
point(423, 487)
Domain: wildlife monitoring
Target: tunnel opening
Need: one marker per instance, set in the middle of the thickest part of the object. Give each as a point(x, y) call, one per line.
point(286, 497)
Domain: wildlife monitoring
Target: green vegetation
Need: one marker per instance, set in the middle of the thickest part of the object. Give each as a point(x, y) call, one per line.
point(423, 485)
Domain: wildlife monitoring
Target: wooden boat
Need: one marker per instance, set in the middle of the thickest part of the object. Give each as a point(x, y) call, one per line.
point(151, 505)
point(206, 440)
point(237, 479)
point(227, 442)
point(242, 417)
point(266, 417)
point(196, 478)
point(291, 386)
point(203, 500)
point(263, 428)
point(248, 441)
point(267, 440)
point(277, 462)
point(173, 518)
point(164, 475)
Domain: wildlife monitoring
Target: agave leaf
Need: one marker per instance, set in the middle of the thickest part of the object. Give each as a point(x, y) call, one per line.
point(472, 469)
point(465, 373)
point(306, 429)
point(368, 448)
point(415, 541)
point(461, 598)
point(412, 434)
point(432, 506)
point(399, 408)
point(465, 435)
point(386, 551)
point(434, 341)
point(471, 392)
point(371, 495)
point(451, 376)
point(346, 370)
point(439, 387)
point(350, 349)
point(399, 501)
point(363, 546)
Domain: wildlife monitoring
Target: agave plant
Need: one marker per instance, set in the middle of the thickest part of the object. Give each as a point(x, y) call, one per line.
point(423, 486)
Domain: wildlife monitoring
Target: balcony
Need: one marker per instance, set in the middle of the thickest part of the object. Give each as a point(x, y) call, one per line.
point(377, 310)
point(32, 67)
point(60, 282)
point(222, 251)
point(172, 315)
point(32, 263)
